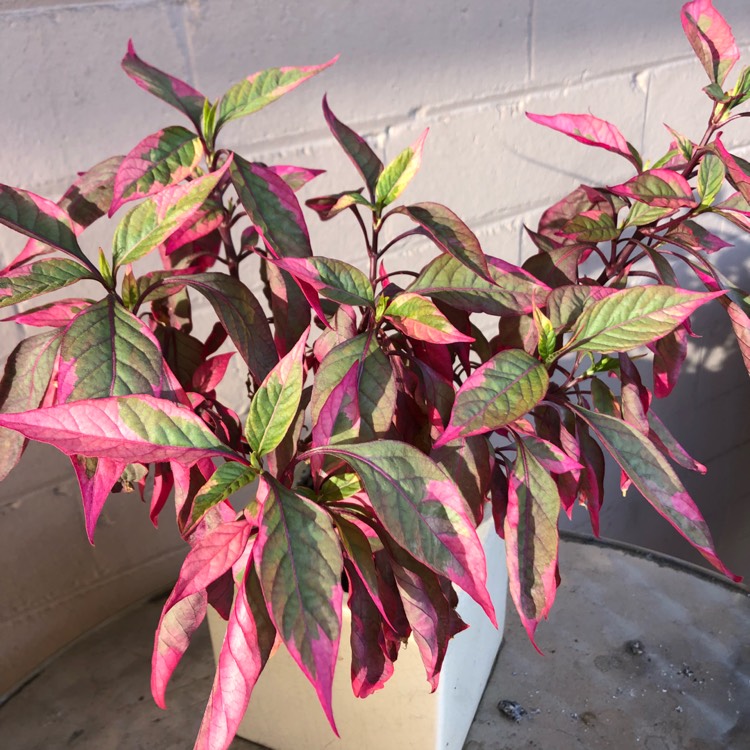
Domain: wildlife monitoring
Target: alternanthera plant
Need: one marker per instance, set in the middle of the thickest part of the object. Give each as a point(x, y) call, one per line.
point(382, 420)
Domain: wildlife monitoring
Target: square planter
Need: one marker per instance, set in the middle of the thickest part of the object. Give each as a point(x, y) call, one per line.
point(284, 713)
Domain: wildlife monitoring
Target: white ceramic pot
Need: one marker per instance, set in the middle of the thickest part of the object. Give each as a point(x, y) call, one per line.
point(284, 713)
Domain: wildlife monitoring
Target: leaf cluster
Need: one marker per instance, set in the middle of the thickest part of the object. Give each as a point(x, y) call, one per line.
point(384, 417)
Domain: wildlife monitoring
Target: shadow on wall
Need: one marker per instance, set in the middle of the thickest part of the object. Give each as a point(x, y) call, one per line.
point(708, 414)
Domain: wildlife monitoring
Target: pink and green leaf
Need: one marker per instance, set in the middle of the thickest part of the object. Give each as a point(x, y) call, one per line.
point(422, 509)
point(152, 222)
point(658, 188)
point(670, 352)
point(241, 315)
point(40, 219)
point(663, 439)
point(692, 236)
point(275, 403)
point(289, 307)
point(272, 207)
point(531, 539)
point(419, 318)
point(371, 666)
point(566, 303)
point(376, 383)
point(590, 130)
point(138, 428)
point(356, 148)
point(172, 639)
point(48, 275)
point(299, 563)
point(224, 482)
point(431, 615)
point(500, 391)
point(394, 179)
point(263, 88)
point(169, 89)
point(328, 206)
point(107, 351)
point(634, 317)
point(332, 279)
point(158, 161)
point(711, 37)
point(24, 384)
point(513, 291)
point(738, 170)
point(450, 234)
point(655, 479)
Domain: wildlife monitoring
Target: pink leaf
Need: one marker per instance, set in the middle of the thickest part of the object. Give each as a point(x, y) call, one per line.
point(173, 635)
point(209, 559)
point(711, 37)
point(243, 655)
point(55, 314)
point(295, 177)
point(211, 372)
point(589, 130)
point(96, 477)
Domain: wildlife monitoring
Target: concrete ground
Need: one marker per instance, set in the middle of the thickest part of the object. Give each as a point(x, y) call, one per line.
point(640, 653)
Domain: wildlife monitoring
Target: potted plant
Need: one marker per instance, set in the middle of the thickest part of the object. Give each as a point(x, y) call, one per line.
point(387, 408)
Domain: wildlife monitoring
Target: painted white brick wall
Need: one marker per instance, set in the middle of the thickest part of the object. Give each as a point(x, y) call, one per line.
point(466, 69)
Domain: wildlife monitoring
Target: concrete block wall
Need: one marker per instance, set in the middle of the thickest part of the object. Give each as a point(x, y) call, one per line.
point(468, 70)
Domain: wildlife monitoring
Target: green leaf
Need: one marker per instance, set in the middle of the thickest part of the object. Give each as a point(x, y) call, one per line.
point(641, 214)
point(300, 565)
point(377, 384)
point(260, 89)
point(224, 482)
point(275, 403)
point(741, 90)
point(152, 222)
point(711, 175)
point(107, 351)
point(26, 282)
point(450, 234)
point(27, 375)
point(500, 391)
point(652, 475)
point(547, 336)
point(399, 173)
point(592, 226)
point(241, 315)
point(340, 487)
point(513, 292)
point(634, 317)
point(158, 161)
point(40, 219)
